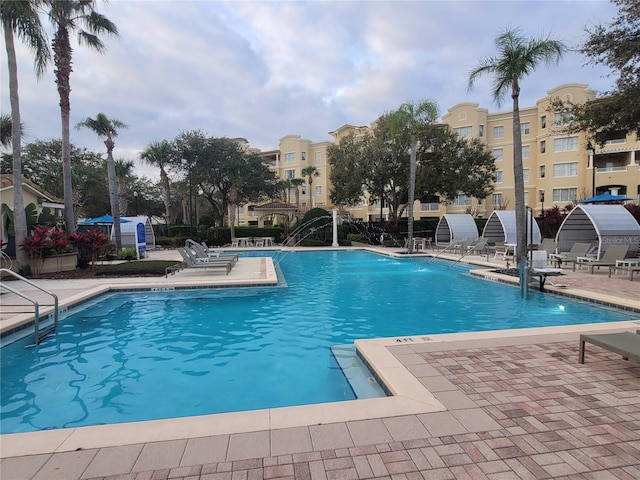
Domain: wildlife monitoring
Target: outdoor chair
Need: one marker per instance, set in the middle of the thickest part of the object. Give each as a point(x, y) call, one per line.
point(578, 249)
point(480, 246)
point(626, 344)
point(190, 262)
point(612, 254)
point(500, 251)
point(200, 252)
point(539, 267)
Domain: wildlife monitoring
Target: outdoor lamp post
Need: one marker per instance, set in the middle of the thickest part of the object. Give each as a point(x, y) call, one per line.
point(135, 195)
point(187, 162)
point(591, 153)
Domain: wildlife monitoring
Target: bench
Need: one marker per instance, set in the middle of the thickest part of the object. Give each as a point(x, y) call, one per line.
point(626, 344)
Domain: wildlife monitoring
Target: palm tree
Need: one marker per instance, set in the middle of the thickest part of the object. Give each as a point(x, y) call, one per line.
point(107, 128)
point(21, 18)
point(518, 57)
point(66, 17)
point(123, 169)
point(409, 117)
point(159, 154)
point(310, 171)
point(297, 183)
point(5, 130)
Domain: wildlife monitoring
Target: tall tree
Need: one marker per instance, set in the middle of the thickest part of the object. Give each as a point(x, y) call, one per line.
point(310, 171)
point(5, 130)
point(517, 58)
point(21, 19)
point(107, 128)
point(296, 183)
point(410, 116)
point(123, 169)
point(70, 16)
point(160, 154)
point(617, 46)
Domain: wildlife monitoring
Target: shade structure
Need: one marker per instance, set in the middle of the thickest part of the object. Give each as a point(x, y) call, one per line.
point(103, 220)
point(601, 225)
point(460, 226)
point(501, 227)
point(137, 232)
point(605, 197)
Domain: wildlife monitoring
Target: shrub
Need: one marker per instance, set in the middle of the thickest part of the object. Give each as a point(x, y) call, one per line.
point(137, 268)
point(90, 244)
point(127, 254)
point(46, 241)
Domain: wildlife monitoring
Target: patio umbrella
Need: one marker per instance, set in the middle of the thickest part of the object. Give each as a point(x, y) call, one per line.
point(605, 197)
point(103, 220)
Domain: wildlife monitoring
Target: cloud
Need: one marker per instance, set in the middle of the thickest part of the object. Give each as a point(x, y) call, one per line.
point(262, 70)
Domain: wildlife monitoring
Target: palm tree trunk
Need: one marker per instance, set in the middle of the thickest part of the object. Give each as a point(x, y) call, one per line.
point(412, 193)
point(113, 193)
point(233, 201)
point(166, 195)
point(19, 216)
point(62, 56)
point(518, 177)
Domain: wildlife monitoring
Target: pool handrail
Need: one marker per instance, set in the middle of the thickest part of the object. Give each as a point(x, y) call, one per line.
point(38, 336)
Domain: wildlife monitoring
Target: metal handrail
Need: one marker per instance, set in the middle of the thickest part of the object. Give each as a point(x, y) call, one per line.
point(37, 337)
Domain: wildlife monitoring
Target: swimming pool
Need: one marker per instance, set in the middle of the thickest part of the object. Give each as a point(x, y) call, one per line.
point(148, 355)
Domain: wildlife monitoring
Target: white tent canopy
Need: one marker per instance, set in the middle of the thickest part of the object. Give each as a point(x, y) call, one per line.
point(501, 227)
point(461, 226)
point(601, 225)
point(137, 233)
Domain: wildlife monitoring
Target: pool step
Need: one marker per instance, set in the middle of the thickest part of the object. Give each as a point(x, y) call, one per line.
point(362, 381)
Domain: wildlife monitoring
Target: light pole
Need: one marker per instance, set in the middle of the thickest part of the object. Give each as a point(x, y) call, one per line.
point(187, 162)
point(135, 195)
point(591, 153)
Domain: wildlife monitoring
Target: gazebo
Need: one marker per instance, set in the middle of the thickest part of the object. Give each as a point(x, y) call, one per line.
point(452, 226)
point(501, 227)
point(600, 225)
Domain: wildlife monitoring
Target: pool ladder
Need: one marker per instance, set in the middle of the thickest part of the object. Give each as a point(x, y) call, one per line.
point(39, 333)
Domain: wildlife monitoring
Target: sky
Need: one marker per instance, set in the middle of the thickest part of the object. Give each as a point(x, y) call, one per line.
point(263, 70)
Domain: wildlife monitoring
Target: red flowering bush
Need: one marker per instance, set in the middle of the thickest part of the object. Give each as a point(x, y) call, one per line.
point(90, 244)
point(46, 241)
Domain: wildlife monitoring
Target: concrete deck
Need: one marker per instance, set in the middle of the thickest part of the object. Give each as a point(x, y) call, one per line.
point(497, 405)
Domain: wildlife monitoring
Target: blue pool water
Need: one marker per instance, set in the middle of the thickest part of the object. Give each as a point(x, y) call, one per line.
point(147, 355)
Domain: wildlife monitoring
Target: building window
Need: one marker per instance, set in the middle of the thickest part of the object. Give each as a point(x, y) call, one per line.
point(526, 198)
point(497, 153)
point(525, 174)
point(303, 156)
point(525, 151)
point(462, 200)
point(543, 121)
point(565, 144)
point(289, 157)
point(569, 169)
point(429, 207)
point(561, 118)
point(289, 174)
point(543, 146)
point(481, 131)
point(318, 158)
point(498, 132)
point(499, 176)
point(318, 190)
point(525, 128)
point(496, 199)
point(463, 132)
point(565, 194)
point(542, 171)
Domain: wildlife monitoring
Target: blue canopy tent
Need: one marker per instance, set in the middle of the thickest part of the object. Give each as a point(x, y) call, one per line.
point(606, 198)
point(103, 220)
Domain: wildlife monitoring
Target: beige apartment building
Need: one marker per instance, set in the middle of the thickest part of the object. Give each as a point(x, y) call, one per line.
point(559, 168)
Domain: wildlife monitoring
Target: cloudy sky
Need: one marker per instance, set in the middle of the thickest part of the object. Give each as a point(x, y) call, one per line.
point(263, 70)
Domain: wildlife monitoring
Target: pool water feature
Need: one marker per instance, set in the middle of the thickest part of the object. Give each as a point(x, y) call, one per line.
point(152, 355)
